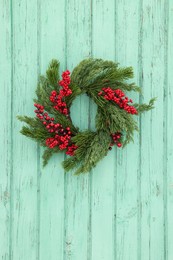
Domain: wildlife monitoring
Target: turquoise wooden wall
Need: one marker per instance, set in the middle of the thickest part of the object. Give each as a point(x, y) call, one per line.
point(123, 209)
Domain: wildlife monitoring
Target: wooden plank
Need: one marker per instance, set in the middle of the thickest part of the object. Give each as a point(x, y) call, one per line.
point(168, 138)
point(127, 207)
point(52, 45)
point(152, 171)
point(77, 188)
point(103, 176)
point(5, 129)
point(24, 178)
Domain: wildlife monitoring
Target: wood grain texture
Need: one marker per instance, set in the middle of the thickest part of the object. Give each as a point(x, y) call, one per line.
point(51, 197)
point(24, 177)
point(103, 176)
point(127, 165)
point(152, 168)
point(5, 129)
point(77, 189)
point(168, 133)
point(123, 209)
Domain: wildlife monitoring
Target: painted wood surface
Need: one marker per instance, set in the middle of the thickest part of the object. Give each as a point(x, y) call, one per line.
point(123, 209)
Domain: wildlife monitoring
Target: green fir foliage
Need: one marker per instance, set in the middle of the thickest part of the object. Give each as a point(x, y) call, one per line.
point(92, 147)
point(52, 73)
point(145, 107)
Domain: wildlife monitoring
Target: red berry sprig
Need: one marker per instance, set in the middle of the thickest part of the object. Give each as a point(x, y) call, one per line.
point(116, 139)
point(62, 135)
point(71, 149)
point(119, 98)
point(61, 141)
point(58, 98)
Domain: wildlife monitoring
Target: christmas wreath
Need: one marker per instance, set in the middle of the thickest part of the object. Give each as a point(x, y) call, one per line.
point(105, 83)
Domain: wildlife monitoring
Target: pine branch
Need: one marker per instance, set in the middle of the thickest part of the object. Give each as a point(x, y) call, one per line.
point(115, 120)
point(33, 122)
point(70, 163)
point(46, 156)
point(38, 134)
point(48, 153)
point(141, 108)
point(43, 93)
point(93, 72)
point(75, 92)
point(89, 68)
point(52, 74)
point(126, 87)
point(92, 147)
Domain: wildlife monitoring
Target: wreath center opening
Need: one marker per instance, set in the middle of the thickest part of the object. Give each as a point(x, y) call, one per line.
point(83, 112)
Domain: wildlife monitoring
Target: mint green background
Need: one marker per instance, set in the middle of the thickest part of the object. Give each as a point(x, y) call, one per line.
point(123, 210)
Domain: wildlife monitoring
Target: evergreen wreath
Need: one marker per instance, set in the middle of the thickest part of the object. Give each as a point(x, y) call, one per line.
point(104, 82)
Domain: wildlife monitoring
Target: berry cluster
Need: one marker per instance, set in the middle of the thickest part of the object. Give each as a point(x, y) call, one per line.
point(58, 140)
point(116, 140)
point(39, 111)
point(62, 135)
point(58, 98)
point(71, 149)
point(119, 98)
